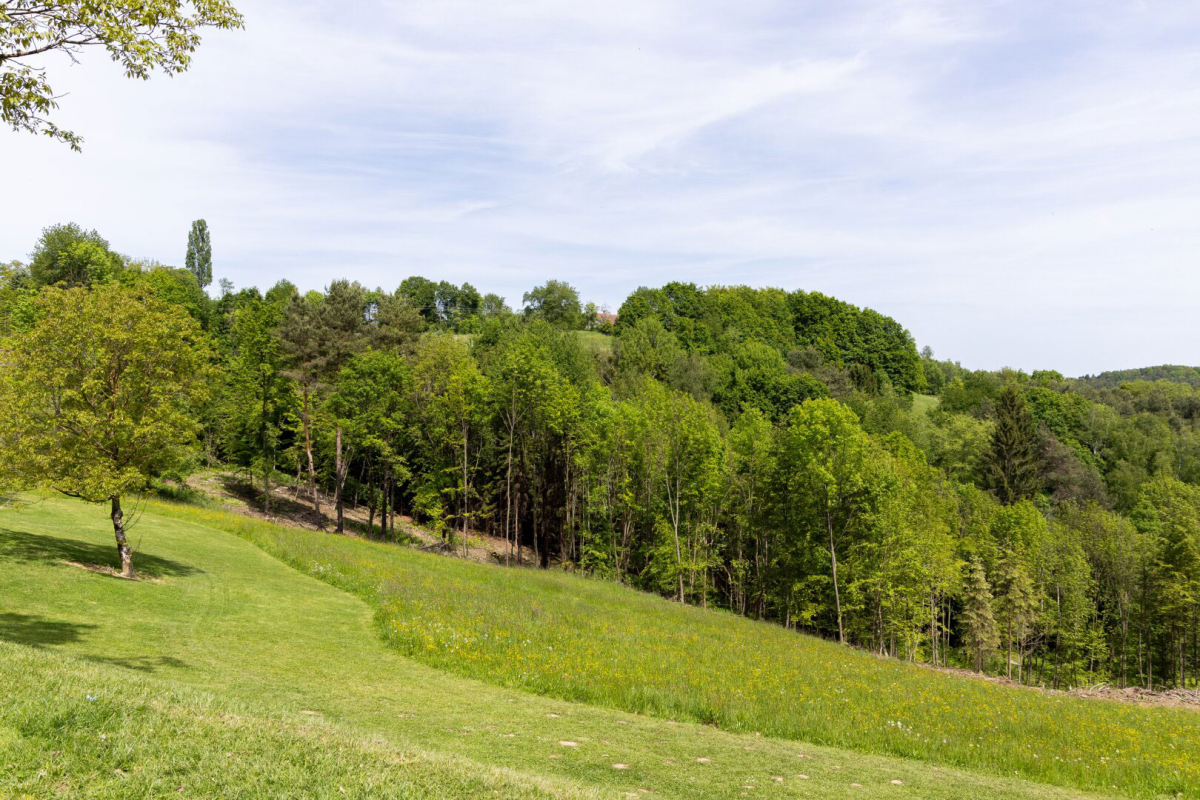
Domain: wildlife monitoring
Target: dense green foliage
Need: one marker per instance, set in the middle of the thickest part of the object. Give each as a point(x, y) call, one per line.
point(1165, 372)
point(99, 395)
point(198, 258)
point(754, 449)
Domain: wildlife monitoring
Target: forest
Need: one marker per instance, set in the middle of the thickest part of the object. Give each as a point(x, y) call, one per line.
point(780, 454)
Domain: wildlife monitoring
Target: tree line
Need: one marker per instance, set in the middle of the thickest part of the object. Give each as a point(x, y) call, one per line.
point(783, 455)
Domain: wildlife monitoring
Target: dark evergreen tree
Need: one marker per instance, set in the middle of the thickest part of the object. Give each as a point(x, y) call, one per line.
point(199, 253)
point(1011, 470)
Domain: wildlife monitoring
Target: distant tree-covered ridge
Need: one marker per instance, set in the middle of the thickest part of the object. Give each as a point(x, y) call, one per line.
point(1163, 372)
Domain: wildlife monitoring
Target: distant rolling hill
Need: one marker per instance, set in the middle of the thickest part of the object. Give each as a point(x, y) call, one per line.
point(1163, 372)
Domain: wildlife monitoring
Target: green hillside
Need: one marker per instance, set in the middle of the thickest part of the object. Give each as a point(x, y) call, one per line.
point(226, 668)
point(1164, 372)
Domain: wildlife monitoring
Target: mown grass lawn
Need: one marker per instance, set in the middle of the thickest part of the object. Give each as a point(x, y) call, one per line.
point(73, 728)
point(225, 671)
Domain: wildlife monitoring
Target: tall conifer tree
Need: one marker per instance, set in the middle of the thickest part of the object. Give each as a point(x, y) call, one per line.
point(979, 626)
point(1011, 470)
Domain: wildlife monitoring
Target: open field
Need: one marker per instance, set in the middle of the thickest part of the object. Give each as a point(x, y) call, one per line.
point(223, 649)
point(924, 403)
point(595, 341)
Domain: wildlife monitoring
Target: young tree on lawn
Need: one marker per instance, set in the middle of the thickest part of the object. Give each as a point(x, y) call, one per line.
point(98, 396)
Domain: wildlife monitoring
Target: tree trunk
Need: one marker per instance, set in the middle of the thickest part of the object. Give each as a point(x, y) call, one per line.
point(508, 502)
point(1009, 657)
point(312, 470)
point(362, 471)
point(837, 597)
point(268, 466)
point(466, 496)
point(675, 530)
point(933, 631)
point(383, 504)
point(123, 550)
point(339, 470)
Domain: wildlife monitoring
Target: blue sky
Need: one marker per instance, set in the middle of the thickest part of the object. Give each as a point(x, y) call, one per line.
point(1016, 182)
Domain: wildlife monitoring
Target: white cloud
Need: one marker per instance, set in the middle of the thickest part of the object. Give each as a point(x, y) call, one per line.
point(1011, 180)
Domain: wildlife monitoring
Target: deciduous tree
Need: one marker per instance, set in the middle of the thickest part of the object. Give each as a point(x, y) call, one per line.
point(140, 35)
point(99, 396)
point(198, 259)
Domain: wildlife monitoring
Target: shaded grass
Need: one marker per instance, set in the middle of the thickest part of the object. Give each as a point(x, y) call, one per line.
point(595, 642)
point(282, 655)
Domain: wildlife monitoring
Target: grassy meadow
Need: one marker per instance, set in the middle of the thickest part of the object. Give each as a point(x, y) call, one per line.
point(225, 672)
point(594, 642)
point(65, 730)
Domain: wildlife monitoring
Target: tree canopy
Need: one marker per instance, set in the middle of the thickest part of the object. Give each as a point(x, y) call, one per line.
point(100, 395)
point(142, 36)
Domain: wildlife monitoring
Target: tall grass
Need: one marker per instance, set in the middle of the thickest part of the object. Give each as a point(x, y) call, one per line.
point(599, 643)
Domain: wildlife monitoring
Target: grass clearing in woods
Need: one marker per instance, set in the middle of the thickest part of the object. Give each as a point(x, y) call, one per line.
point(924, 403)
point(595, 341)
point(232, 670)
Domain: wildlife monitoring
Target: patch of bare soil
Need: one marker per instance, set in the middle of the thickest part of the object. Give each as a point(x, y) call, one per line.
point(1180, 698)
point(103, 569)
point(292, 506)
point(1136, 694)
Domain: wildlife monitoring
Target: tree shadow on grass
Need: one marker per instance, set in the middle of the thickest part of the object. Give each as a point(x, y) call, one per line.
point(34, 630)
point(38, 631)
point(36, 547)
point(140, 663)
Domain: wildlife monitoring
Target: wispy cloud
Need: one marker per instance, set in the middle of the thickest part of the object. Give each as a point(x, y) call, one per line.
point(1012, 180)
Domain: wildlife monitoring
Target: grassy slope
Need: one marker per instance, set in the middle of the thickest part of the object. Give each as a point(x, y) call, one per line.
point(924, 403)
point(266, 647)
point(596, 642)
